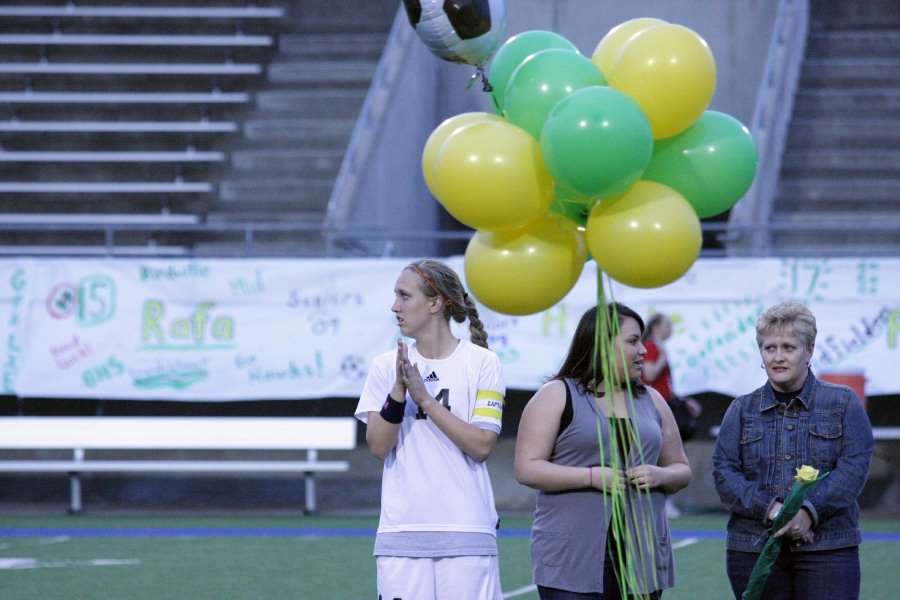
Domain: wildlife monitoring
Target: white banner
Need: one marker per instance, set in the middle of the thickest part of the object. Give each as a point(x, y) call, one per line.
point(276, 329)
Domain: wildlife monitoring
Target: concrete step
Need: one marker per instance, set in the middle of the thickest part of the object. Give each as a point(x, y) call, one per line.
point(125, 83)
point(300, 161)
point(853, 193)
point(304, 219)
point(829, 132)
point(840, 163)
point(358, 46)
point(98, 172)
point(311, 103)
point(121, 112)
point(135, 53)
point(883, 102)
point(872, 43)
point(100, 203)
point(340, 16)
point(843, 230)
point(323, 73)
point(847, 73)
point(317, 133)
point(290, 193)
point(854, 14)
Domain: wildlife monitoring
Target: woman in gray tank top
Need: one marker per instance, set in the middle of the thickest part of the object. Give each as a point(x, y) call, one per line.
point(600, 529)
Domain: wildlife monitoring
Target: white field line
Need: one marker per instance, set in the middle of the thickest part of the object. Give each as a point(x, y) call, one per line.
point(520, 592)
point(9, 564)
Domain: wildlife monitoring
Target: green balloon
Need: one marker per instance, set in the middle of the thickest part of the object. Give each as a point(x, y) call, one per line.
point(515, 50)
point(596, 142)
point(712, 163)
point(541, 81)
point(572, 207)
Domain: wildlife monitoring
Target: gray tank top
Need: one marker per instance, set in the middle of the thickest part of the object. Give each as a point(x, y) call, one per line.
point(569, 536)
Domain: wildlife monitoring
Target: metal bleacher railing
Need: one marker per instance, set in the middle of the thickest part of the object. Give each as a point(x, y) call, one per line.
point(749, 231)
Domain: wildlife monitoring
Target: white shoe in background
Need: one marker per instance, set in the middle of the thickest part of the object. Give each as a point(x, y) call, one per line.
point(672, 511)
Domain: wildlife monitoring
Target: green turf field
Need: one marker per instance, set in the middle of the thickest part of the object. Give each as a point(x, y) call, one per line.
point(103, 557)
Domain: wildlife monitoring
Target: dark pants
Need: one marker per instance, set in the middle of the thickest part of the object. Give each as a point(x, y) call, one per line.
point(610, 584)
point(800, 575)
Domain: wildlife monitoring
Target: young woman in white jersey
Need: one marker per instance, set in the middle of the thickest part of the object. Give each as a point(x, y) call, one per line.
point(433, 411)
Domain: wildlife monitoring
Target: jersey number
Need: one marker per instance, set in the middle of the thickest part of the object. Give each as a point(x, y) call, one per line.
point(443, 397)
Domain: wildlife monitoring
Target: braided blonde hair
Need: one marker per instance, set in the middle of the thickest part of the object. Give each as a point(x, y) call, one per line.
point(440, 280)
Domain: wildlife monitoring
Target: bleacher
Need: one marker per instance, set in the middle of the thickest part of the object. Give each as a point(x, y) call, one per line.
point(118, 115)
point(138, 128)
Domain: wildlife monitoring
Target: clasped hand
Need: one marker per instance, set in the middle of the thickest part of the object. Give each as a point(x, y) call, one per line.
point(644, 477)
point(798, 529)
point(409, 379)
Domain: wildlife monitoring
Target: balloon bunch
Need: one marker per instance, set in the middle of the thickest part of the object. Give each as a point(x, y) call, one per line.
point(616, 157)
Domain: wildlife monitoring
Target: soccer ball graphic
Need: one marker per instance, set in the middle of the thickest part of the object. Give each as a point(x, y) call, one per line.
point(460, 31)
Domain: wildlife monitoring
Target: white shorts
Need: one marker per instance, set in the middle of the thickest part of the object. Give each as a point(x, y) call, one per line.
point(451, 578)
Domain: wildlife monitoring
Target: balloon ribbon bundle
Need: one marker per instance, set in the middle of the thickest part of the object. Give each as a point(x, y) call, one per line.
point(632, 528)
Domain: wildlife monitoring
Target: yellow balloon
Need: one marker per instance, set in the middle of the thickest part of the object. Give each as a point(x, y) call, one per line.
point(647, 237)
point(440, 135)
point(612, 42)
point(525, 271)
point(670, 72)
point(490, 175)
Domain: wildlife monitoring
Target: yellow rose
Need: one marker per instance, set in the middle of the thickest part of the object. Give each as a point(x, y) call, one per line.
point(806, 474)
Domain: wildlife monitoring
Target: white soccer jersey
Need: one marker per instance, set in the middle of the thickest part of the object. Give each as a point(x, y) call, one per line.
point(429, 484)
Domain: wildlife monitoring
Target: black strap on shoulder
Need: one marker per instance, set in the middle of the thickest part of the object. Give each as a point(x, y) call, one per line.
point(565, 419)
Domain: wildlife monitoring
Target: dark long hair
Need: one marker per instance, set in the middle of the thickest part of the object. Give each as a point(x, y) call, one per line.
point(579, 363)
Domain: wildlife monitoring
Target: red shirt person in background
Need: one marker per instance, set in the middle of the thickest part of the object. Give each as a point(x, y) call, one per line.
point(657, 374)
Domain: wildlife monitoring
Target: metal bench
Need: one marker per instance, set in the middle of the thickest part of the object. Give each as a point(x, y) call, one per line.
point(112, 68)
point(83, 437)
point(74, 156)
point(109, 187)
point(140, 39)
point(140, 12)
point(213, 97)
point(98, 219)
point(200, 126)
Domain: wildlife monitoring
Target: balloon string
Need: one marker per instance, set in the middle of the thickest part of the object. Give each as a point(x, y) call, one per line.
point(486, 87)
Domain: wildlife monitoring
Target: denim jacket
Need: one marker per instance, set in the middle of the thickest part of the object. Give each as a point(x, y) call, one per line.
point(760, 444)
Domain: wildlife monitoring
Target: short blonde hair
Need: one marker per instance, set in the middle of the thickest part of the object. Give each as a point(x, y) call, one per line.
point(787, 317)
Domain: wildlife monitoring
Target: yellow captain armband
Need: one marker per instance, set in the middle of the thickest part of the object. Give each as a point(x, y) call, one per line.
point(488, 407)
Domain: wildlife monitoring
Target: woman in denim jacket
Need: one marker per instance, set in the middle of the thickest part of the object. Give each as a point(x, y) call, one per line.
point(791, 421)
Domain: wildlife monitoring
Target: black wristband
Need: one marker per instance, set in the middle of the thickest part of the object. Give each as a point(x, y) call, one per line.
point(392, 411)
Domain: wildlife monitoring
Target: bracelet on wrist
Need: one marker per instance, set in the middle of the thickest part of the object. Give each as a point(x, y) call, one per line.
point(392, 411)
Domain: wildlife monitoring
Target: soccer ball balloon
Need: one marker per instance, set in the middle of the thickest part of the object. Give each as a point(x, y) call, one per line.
point(460, 31)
